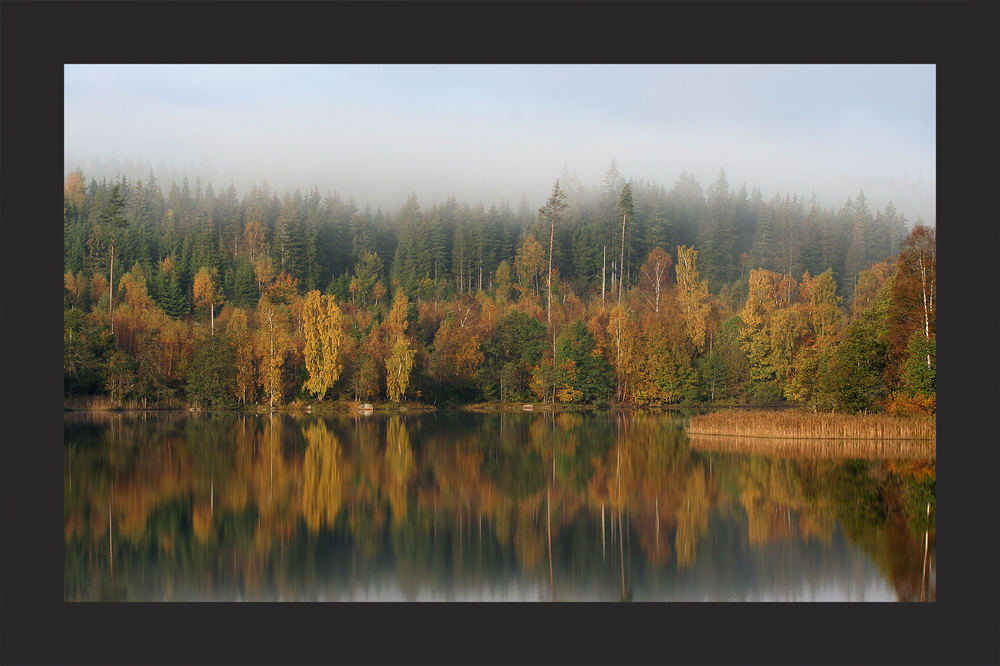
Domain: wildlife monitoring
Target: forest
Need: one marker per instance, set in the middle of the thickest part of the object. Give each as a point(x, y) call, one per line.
point(625, 294)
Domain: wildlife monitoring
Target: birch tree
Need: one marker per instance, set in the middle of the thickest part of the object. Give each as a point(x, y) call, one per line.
point(692, 295)
point(321, 323)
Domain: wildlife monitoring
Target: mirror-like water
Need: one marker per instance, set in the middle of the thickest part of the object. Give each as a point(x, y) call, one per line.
point(455, 506)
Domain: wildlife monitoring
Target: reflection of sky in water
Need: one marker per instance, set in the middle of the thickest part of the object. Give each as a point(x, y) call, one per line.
point(786, 571)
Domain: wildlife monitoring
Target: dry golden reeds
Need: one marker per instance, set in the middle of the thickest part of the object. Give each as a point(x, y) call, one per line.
point(793, 424)
point(88, 402)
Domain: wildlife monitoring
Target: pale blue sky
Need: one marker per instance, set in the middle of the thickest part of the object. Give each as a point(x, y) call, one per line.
point(498, 131)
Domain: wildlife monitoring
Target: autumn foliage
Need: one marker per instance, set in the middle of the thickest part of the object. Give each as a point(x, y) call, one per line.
point(464, 311)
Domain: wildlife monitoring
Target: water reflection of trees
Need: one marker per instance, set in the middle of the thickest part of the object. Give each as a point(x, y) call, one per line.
point(277, 505)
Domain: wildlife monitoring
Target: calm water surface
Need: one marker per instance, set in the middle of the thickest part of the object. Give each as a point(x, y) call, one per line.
point(454, 506)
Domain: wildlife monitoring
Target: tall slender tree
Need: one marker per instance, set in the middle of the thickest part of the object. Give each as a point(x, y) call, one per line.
point(112, 220)
point(552, 209)
point(625, 207)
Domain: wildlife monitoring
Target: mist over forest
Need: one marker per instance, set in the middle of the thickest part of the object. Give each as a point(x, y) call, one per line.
point(912, 194)
point(628, 293)
point(494, 133)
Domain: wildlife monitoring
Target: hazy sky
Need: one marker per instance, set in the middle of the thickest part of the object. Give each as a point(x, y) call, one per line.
point(492, 132)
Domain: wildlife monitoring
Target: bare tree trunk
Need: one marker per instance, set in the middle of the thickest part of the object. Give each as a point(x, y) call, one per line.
point(923, 288)
point(604, 270)
point(552, 238)
point(111, 288)
point(212, 310)
point(271, 359)
point(656, 307)
point(622, 266)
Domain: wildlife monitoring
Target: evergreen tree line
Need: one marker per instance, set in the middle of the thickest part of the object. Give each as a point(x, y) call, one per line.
point(632, 293)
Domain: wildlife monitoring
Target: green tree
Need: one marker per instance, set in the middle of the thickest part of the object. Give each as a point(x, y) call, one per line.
point(516, 345)
point(366, 273)
point(919, 377)
point(913, 305)
point(857, 369)
point(594, 377)
point(718, 235)
point(211, 374)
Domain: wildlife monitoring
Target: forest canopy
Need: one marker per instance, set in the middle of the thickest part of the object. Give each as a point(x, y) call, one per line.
point(630, 293)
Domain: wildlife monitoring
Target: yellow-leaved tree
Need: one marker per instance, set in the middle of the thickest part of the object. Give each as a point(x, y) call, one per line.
point(273, 344)
point(822, 304)
point(622, 333)
point(755, 331)
point(692, 295)
point(206, 291)
point(238, 332)
point(323, 333)
point(400, 362)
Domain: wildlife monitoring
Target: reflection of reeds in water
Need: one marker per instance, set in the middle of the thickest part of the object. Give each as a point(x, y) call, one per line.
point(794, 424)
point(874, 449)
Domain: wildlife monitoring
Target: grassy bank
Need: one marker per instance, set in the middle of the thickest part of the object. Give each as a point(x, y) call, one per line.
point(793, 424)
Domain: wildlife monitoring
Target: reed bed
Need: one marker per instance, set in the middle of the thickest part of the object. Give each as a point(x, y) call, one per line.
point(105, 403)
point(868, 449)
point(793, 424)
point(88, 402)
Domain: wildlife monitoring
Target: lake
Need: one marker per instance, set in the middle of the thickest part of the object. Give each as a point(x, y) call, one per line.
point(462, 506)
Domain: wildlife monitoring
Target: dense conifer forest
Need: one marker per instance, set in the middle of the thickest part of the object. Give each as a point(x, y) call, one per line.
point(631, 293)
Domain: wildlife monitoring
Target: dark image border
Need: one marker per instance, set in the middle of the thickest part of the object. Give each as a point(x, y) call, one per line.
point(959, 36)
